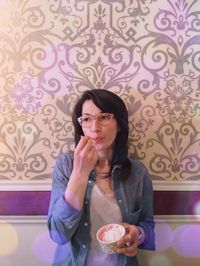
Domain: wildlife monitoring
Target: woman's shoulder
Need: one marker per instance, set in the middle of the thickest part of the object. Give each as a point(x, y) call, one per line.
point(136, 163)
point(138, 167)
point(66, 156)
point(64, 161)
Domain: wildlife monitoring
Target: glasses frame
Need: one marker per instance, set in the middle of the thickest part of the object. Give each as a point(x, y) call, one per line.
point(94, 117)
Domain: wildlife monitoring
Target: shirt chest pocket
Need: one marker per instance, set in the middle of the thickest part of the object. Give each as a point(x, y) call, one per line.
point(134, 204)
point(135, 214)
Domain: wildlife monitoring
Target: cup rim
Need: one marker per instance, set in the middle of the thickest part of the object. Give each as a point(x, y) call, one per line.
point(104, 226)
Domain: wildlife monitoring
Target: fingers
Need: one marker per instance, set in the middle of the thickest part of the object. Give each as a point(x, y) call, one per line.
point(130, 249)
point(84, 146)
point(129, 243)
point(85, 155)
point(88, 150)
point(83, 141)
point(131, 233)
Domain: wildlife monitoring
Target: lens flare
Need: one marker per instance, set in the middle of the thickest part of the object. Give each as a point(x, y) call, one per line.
point(186, 240)
point(159, 260)
point(8, 239)
point(44, 247)
point(197, 208)
point(163, 236)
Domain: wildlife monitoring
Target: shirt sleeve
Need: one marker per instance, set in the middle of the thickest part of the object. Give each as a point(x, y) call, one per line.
point(146, 220)
point(63, 219)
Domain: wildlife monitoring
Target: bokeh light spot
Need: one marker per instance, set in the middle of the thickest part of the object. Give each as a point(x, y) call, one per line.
point(186, 240)
point(159, 260)
point(44, 247)
point(163, 236)
point(197, 208)
point(8, 238)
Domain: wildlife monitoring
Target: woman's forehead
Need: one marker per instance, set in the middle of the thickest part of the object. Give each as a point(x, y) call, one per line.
point(89, 107)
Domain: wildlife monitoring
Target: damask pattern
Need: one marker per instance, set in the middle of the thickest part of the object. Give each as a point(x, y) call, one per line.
point(145, 51)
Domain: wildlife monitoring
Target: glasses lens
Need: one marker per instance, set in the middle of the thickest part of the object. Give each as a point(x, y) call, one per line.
point(104, 118)
point(87, 120)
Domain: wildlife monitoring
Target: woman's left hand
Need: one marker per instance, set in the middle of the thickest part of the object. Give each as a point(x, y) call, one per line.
point(128, 245)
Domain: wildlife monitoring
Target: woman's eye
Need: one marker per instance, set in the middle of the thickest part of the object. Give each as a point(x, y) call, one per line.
point(104, 117)
point(86, 119)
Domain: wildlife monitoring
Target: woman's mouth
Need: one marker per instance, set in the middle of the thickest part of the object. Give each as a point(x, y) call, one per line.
point(97, 140)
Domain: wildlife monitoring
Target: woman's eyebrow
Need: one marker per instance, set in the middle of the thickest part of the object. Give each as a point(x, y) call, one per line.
point(86, 114)
point(90, 114)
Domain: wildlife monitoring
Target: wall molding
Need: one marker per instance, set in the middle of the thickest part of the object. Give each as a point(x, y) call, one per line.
point(177, 218)
point(42, 219)
point(25, 185)
point(176, 202)
point(176, 185)
point(37, 202)
point(46, 185)
point(28, 219)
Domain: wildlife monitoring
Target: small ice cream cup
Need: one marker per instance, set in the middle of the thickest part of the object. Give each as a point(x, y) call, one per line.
point(108, 235)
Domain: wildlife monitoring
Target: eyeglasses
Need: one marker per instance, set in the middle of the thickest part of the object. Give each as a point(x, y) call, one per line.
point(102, 118)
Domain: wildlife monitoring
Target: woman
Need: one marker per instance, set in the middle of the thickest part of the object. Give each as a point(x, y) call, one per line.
point(98, 184)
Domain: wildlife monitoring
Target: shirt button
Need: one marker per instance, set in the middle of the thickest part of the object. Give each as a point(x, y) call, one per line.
point(120, 201)
point(83, 246)
point(86, 202)
point(89, 181)
point(85, 224)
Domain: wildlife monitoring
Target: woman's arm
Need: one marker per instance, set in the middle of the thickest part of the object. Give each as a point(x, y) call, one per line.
point(141, 234)
point(146, 220)
point(70, 178)
point(63, 219)
point(85, 159)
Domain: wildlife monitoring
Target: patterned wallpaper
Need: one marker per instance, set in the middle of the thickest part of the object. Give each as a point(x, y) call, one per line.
point(147, 51)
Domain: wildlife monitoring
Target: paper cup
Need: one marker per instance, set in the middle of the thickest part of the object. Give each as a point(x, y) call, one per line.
point(108, 235)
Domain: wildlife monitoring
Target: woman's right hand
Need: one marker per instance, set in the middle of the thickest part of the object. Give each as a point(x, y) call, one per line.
point(85, 156)
point(85, 159)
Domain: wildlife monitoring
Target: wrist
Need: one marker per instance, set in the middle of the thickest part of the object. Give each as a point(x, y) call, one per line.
point(79, 176)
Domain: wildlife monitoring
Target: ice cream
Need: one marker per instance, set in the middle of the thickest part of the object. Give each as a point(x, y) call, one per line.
point(111, 233)
point(108, 236)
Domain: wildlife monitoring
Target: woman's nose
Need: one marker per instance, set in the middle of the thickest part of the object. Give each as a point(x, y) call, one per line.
point(95, 125)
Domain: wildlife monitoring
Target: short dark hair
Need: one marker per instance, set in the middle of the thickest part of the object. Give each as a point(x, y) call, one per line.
point(108, 102)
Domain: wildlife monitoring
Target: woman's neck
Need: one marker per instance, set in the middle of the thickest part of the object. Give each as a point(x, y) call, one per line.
point(104, 156)
point(102, 168)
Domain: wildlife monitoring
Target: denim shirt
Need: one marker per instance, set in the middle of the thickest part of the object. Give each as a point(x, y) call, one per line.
point(70, 228)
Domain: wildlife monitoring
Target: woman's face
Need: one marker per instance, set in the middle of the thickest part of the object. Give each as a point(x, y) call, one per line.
point(102, 135)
